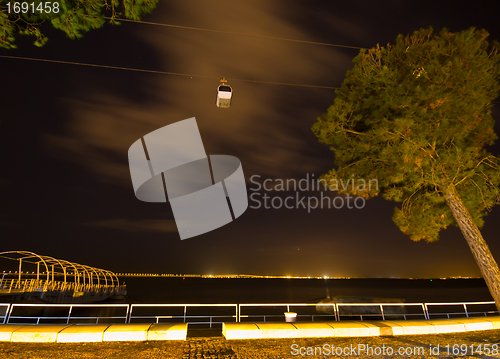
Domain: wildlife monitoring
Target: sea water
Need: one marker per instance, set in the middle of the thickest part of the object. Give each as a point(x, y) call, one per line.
point(288, 290)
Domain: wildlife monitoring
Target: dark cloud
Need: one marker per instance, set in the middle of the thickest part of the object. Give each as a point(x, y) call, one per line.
point(159, 225)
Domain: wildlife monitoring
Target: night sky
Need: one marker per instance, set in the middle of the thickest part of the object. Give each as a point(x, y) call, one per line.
point(65, 130)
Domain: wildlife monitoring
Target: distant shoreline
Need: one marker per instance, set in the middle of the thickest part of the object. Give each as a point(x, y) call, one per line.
point(277, 276)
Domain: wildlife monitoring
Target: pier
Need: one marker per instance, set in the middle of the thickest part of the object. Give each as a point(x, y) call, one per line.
point(56, 280)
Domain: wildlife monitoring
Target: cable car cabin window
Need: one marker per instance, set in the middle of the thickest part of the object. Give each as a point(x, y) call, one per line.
point(225, 88)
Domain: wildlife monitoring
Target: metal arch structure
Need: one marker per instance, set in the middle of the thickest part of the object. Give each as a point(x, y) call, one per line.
point(79, 271)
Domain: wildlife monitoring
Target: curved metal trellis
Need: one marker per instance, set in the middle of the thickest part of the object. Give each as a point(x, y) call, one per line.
point(77, 278)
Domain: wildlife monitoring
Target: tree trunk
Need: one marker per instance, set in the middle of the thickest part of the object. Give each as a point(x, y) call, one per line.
point(479, 248)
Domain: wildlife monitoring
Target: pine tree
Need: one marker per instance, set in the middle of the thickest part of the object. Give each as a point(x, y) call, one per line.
point(72, 17)
point(416, 116)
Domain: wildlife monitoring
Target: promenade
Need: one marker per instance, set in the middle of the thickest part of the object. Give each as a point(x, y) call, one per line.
point(218, 347)
point(467, 337)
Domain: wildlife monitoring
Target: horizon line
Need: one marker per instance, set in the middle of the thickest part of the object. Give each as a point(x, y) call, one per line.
point(135, 274)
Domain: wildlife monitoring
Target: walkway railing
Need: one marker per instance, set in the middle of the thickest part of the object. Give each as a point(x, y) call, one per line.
point(210, 314)
point(361, 311)
point(429, 307)
point(18, 313)
point(179, 313)
point(4, 310)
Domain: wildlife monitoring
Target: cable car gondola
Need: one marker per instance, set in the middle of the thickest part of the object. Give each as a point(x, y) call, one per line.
point(224, 94)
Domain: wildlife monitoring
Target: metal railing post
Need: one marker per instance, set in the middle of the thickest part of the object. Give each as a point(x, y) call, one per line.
point(8, 314)
point(69, 313)
point(128, 315)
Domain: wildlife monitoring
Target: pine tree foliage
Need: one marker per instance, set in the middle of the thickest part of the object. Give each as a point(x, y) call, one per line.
point(74, 17)
point(417, 116)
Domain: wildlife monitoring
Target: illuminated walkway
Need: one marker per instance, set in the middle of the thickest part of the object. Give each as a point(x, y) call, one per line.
point(356, 328)
point(77, 333)
point(144, 332)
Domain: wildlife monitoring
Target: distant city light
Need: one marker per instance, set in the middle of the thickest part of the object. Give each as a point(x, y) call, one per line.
point(267, 276)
